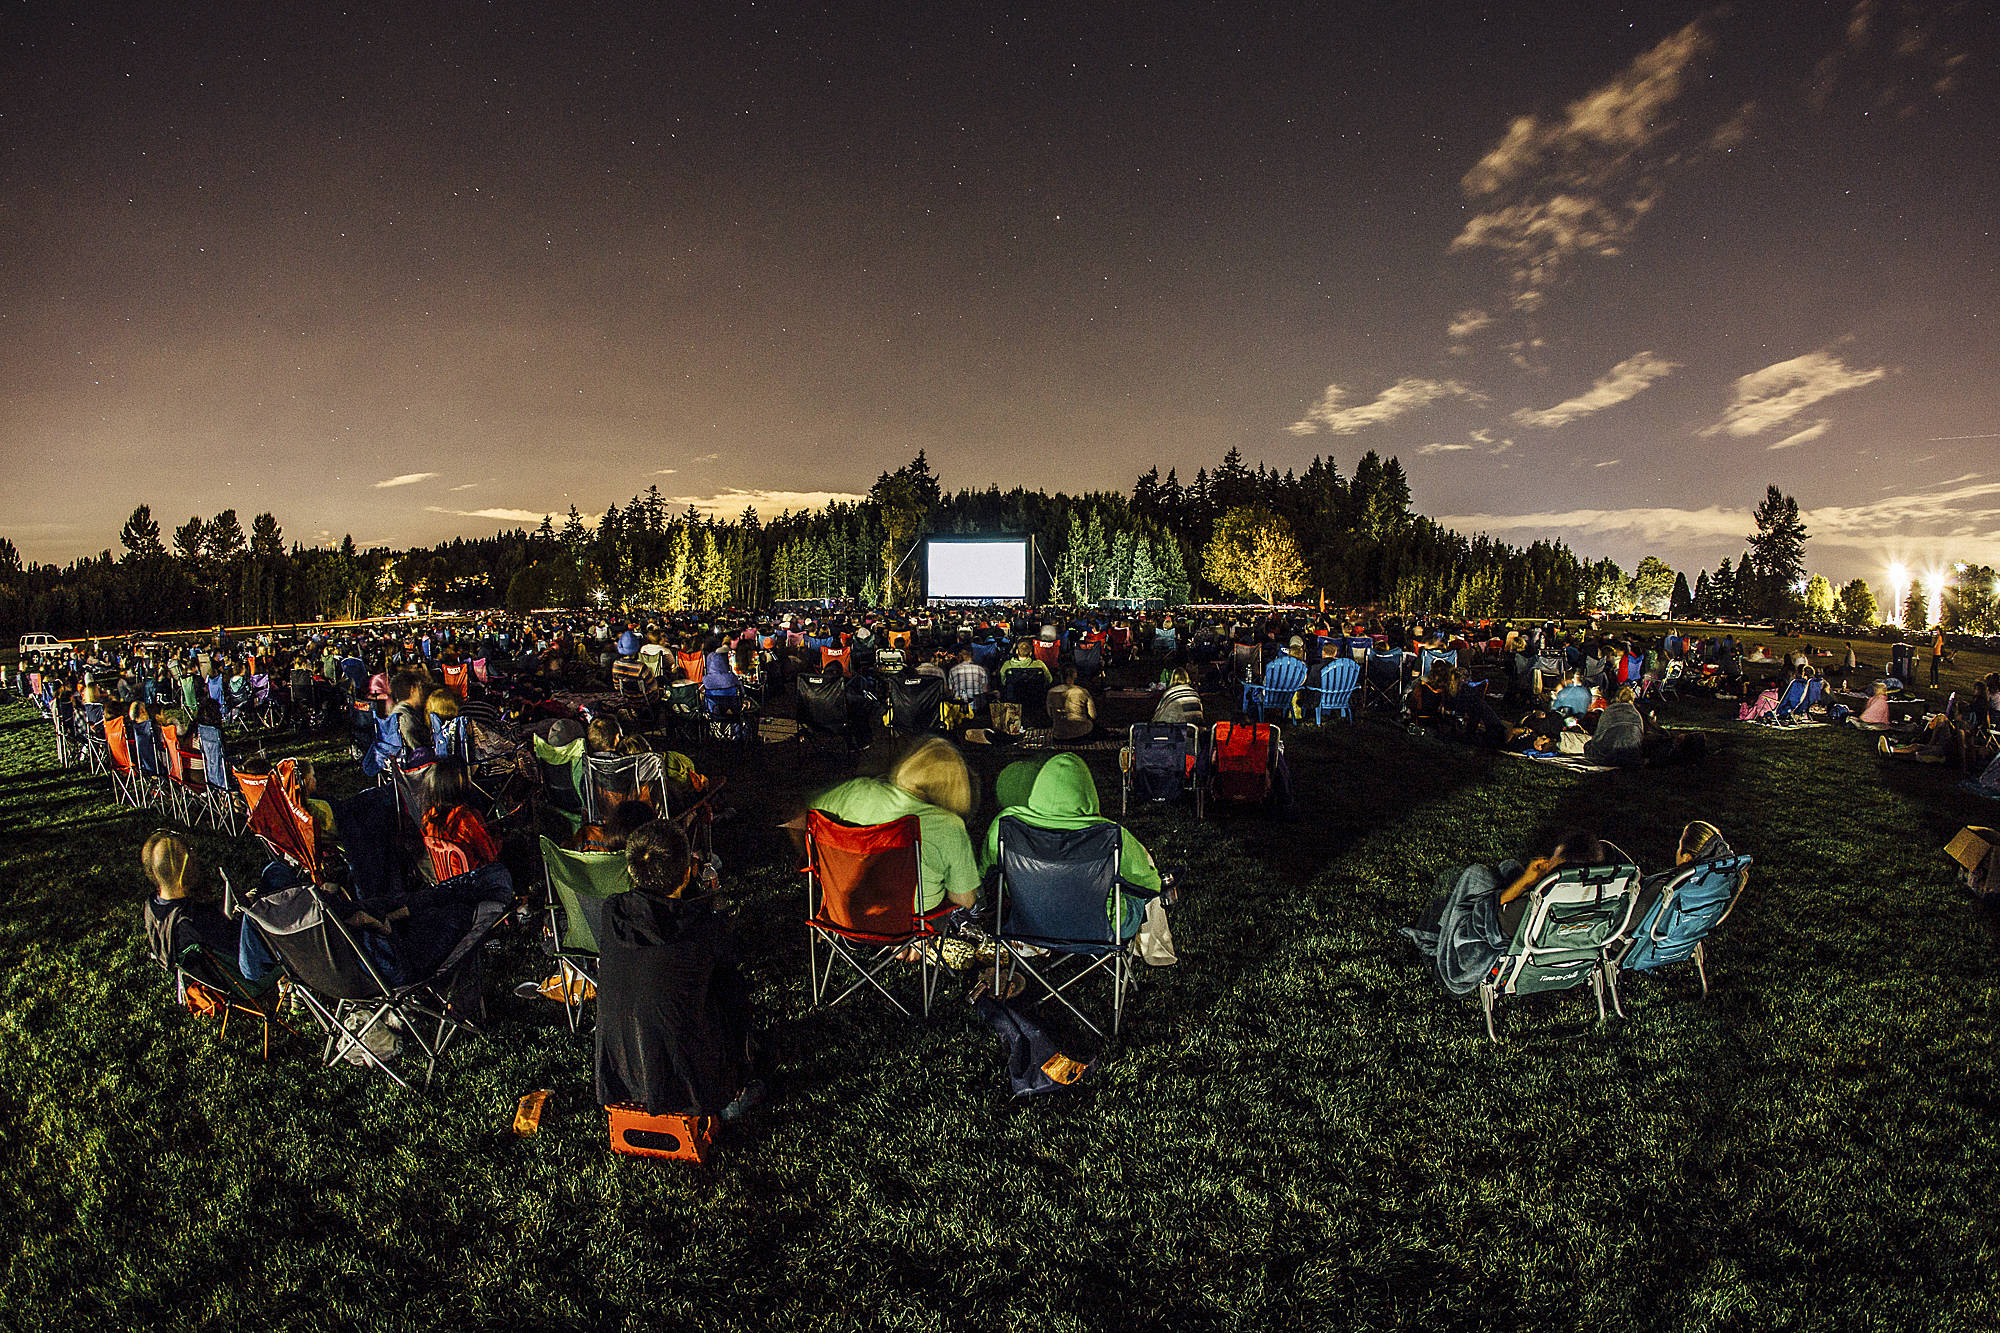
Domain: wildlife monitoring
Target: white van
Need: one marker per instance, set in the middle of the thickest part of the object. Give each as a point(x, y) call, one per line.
point(38, 645)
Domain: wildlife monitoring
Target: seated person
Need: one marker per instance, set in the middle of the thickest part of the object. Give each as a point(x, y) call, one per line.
point(932, 783)
point(1472, 920)
point(307, 778)
point(1181, 702)
point(1059, 793)
point(1072, 711)
point(967, 680)
point(1431, 698)
point(452, 817)
point(625, 819)
point(1620, 735)
point(170, 867)
point(410, 691)
point(673, 1014)
point(1024, 662)
point(1699, 841)
point(1573, 698)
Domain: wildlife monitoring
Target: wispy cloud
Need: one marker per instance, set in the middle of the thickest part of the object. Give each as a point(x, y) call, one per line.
point(466, 487)
point(1806, 436)
point(730, 502)
point(1404, 396)
point(1609, 462)
point(1430, 449)
point(1628, 379)
point(665, 471)
point(1463, 325)
point(1578, 183)
point(1768, 398)
point(704, 458)
point(1899, 61)
point(503, 515)
point(1953, 520)
point(407, 479)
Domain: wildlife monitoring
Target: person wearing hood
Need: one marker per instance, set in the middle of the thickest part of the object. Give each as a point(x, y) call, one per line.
point(1059, 793)
point(673, 1014)
point(932, 783)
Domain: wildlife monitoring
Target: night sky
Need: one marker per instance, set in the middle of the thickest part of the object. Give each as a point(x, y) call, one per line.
point(1595, 272)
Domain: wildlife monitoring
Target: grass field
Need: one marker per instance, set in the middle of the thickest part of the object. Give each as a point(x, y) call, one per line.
point(1300, 1130)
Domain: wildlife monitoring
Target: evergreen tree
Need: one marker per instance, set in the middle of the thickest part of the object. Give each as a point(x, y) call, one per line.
point(1682, 601)
point(1857, 607)
point(1777, 554)
point(141, 534)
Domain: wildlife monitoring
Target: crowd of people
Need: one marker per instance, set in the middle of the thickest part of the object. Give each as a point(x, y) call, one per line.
point(479, 704)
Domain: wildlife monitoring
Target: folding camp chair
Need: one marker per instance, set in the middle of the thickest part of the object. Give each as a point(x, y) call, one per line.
point(228, 808)
point(412, 784)
point(1241, 756)
point(279, 819)
point(1279, 690)
point(143, 740)
point(1789, 703)
point(96, 750)
point(862, 883)
point(916, 702)
point(1693, 900)
point(564, 781)
point(336, 976)
point(1576, 919)
point(575, 886)
point(1383, 682)
point(1429, 657)
point(610, 780)
point(1059, 892)
point(693, 666)
point(1334, 691)
point(207, 984)
point(360, 727)
point(1160, 761)
point(126, 785)
point(823, 708)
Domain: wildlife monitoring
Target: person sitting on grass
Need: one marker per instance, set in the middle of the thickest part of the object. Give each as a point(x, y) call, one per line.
point(1072, 711)
point(932, 783)
point(673, 1014)
point(1473, 917)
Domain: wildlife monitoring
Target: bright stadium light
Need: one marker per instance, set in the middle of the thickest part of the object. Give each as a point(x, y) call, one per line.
point(1899, 590)
point(1934, 596)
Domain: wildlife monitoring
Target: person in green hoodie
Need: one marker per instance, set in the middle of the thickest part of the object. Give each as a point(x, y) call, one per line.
point(1059, 793)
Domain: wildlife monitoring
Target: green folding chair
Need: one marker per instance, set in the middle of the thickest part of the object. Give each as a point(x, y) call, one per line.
point(565, 781)
point(577, 885)
point(1577, 918)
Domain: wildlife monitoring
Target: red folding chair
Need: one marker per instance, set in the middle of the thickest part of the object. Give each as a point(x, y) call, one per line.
point(280, 820)
point(862, 883)
point(1240, 761)
point(1049, 653)
point(448, 859)
point(125, 779)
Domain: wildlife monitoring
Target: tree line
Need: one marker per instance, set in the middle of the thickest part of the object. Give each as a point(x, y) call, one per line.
point(1231, 532)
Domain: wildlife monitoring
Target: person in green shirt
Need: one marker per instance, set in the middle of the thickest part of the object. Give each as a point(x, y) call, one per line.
point(1059, 793)
point(932, 783)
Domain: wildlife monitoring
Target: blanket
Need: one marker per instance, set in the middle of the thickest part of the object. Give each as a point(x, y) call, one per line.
point(1460, 934)
point(1570, 762)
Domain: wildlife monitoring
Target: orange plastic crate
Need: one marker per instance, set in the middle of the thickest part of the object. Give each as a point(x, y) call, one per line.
point(684, 1138)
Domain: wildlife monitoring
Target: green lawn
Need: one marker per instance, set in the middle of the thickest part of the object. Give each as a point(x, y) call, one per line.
point(1300, 1130)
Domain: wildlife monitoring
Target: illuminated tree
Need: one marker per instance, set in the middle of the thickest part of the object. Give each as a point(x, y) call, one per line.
point(1653, 585)
point(1819, 598)
point(1857, 605)
point(1253, 554)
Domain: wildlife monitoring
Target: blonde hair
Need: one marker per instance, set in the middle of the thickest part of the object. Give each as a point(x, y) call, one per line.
point(935, 772)
point(442, 703)
point(166, 859)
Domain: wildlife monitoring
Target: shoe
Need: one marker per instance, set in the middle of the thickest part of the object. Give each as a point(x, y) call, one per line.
point(746, 1101)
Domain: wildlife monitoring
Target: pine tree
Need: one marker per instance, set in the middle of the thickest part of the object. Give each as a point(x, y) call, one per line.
point(141, 534)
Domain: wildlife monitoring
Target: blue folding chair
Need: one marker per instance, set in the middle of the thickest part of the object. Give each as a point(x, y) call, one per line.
point(1339, 677)
point(1059, 892)
point(1791, 702)
point(1693, 900)
point(1279, 692)
point(1429, 657)
point(1384, 687)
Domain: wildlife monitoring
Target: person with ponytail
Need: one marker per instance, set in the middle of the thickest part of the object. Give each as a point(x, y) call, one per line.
point(673, 1014)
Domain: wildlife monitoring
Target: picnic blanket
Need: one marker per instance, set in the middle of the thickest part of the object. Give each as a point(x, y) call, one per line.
point(1570, 762)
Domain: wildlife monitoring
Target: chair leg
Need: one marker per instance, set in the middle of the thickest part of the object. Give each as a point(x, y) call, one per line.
point(1597, 989)
point(1486, 1003)
point(1611, 980)
point(1701, 966)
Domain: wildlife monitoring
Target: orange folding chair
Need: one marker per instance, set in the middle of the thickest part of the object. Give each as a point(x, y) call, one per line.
point(862, 882)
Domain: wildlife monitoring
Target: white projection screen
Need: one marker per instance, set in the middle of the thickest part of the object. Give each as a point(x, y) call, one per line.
point(976, 569)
